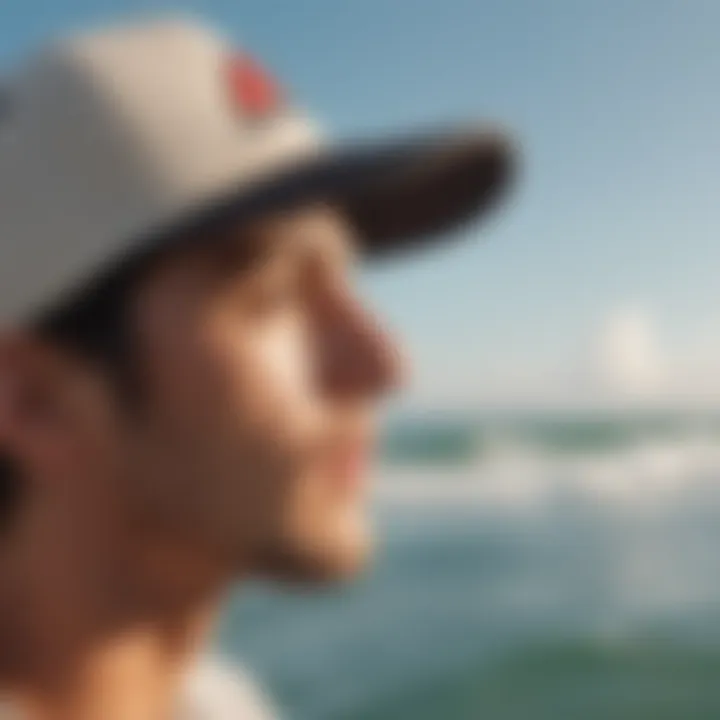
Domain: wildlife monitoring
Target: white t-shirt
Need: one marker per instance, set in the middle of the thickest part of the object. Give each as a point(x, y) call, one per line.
point(217, 691)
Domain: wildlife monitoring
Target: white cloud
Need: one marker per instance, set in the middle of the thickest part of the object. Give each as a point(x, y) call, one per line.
point(623, 363)
point(629, 360)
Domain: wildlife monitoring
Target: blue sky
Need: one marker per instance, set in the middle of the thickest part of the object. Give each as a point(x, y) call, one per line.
point(599, 282)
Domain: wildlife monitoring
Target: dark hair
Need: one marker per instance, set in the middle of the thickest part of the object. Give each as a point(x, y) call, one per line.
point(93, 325)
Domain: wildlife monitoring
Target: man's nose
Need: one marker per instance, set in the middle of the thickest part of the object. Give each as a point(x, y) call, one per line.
point(359, 356)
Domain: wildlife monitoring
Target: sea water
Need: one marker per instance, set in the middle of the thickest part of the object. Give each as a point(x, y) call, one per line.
point(528, 567)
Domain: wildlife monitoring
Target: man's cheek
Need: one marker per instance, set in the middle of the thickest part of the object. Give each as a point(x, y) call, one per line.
point(287, 356)
point(279, 372)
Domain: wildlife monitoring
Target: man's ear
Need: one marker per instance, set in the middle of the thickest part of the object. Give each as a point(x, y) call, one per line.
point(33, 399)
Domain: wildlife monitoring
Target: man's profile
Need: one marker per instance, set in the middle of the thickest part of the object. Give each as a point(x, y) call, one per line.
point(187, 377)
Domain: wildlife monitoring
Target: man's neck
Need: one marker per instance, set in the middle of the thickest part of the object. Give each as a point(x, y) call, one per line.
point(84, 636)
point(133, 676)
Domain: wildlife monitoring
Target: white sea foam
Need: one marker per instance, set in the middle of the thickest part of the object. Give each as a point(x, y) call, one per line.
point(648, 477)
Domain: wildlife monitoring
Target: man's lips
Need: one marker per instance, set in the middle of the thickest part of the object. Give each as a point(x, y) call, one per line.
point(347, 465)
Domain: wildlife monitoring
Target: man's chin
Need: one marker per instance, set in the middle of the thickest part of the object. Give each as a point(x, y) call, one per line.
point(316, 561)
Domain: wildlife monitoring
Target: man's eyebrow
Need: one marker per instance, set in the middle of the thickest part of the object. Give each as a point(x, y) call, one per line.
point(247, 247)
point(239, 249)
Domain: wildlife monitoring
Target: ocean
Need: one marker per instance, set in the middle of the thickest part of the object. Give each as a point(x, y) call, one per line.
point(557, 566)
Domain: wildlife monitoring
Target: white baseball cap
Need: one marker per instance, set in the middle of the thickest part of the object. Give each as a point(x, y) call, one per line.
point(115, 142)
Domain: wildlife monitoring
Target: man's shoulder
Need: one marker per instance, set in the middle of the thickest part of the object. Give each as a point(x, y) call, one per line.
point(218, 690)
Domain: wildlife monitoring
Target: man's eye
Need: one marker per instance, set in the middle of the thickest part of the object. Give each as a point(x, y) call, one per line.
point(277, 295)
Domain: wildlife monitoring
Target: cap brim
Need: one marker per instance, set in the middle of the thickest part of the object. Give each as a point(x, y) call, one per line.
point(422, 190)
point(398, 194)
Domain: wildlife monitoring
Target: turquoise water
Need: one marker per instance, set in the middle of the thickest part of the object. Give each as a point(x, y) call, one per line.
point(548, 568)
point(450, 440)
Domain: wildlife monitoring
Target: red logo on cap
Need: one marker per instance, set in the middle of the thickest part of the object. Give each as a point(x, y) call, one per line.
point(253, 90)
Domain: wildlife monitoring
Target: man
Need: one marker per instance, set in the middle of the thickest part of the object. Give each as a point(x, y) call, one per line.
point(187, 380)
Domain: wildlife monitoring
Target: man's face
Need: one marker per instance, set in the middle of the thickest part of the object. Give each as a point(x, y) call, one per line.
point(260, 376)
